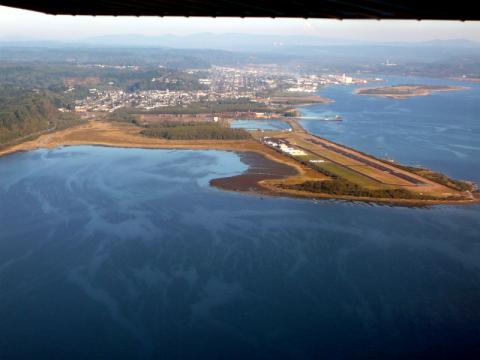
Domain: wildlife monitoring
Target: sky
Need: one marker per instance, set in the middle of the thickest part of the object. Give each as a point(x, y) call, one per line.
point(16, 24)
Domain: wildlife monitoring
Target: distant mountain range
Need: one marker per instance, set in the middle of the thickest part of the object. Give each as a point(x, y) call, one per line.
point(229, 41)
point(202, 50)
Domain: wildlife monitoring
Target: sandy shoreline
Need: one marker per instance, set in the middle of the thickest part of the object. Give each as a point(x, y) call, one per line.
point(127, 136)
point(267, 168)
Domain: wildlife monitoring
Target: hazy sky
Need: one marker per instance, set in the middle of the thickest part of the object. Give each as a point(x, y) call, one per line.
point(20, 24)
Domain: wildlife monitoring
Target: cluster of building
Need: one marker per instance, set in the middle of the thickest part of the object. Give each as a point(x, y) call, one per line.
point(261, 78)
point(107, 66)
point(219, 83)
point(248, 80)
point(304, 84)
point(311, 83)
point(283, 146)
point(111, 100)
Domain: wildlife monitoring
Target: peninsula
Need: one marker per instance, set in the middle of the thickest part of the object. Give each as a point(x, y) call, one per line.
point(406, 91)
point(286, 163)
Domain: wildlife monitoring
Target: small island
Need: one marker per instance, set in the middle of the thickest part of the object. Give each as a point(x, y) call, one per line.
point(401, 92)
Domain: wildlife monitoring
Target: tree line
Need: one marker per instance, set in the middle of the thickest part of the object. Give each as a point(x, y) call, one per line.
point(195, 131)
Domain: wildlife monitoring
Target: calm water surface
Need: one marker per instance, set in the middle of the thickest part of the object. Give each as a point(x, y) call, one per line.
point(441, 131)
point(128, 253)
point(266, 124)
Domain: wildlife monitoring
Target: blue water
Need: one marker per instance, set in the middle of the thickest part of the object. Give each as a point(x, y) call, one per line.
point(109, 253)
point(267, 124)
point(441, 131)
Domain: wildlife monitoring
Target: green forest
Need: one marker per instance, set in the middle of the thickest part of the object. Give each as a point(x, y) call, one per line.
point(57, 77)
point(345, 187)
point(31, 94)
point(440, 178)
point(195, 131)
point(24, 113)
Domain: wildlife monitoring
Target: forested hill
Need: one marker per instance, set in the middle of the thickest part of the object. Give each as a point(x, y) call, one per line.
point(26, 112)
point(31, 94)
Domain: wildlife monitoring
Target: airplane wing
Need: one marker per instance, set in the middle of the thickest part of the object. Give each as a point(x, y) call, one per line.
point(339, 9)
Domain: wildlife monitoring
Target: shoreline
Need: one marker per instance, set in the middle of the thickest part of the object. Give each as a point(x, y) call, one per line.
point(267, 187)
point(266, 167)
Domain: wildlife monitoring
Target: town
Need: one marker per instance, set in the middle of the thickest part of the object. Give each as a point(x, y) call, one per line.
point(257, 83)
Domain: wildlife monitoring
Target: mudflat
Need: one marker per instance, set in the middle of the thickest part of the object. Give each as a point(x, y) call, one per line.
point(260, 168)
